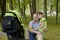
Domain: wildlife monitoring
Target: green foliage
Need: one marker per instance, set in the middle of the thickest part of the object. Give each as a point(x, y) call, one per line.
point(24, 3)
point(39, 5)
point(54, 5)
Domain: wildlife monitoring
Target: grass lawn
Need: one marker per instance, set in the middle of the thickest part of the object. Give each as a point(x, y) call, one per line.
point(53, 29)
point(53, 32)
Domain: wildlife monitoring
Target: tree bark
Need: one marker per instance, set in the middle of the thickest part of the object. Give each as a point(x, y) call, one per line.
point(25, 15)
point(50, 7)
point(3, 5)
point(45, 8)
point(11, 5)
point(23, 10)
point(20, 9)
point(31, 9)
point(57, 12)
point(34, 6)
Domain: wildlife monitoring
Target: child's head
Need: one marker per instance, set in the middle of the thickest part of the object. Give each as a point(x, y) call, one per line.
point(40, 14)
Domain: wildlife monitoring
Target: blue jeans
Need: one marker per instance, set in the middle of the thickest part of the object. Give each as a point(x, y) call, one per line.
point(32, 36)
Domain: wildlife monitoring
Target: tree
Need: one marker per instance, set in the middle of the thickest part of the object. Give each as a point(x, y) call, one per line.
point(0, 4)
point(45, 8)
point(0, 11)
point(32, 4)
point(19, 7)
point(3, 5)
point(14, 2)
point(11, 5)
point(50, 7)
point(22, 7)
point(56, 11)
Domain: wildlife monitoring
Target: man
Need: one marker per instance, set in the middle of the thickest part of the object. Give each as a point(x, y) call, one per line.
point(32, 26)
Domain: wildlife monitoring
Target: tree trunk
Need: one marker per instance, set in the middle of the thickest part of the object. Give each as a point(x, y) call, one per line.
point(45, 8)
point(25, 14)
point(0, 11)
point(0, 5)
point(3, 5)
point(38, 5)
point(34, 6)
point(20, 9)
point(50, 7)
point(23, 10)
point(31, 9)
point(11, 5)
point(19, 5)
point(57, 12)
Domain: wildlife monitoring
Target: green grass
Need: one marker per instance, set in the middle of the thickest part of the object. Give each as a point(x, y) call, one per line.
point(53, 29)
point(0, 27)
point(53, 32)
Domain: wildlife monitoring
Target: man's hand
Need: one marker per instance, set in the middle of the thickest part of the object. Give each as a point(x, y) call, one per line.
point(37, 28)
point(37, 32)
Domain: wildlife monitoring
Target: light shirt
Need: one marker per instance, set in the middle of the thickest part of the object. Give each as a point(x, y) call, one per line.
point(34, 24)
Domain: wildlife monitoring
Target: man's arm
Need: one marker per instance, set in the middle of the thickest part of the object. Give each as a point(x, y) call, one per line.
point(30, 29)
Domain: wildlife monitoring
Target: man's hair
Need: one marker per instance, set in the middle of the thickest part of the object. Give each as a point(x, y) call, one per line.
point(40, 13)
point(35, 14)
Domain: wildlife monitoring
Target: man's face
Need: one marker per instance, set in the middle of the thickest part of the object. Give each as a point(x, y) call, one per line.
point(35, 17)
point(39, 16)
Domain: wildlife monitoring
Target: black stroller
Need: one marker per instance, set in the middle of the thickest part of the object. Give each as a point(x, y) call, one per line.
point(12, 26)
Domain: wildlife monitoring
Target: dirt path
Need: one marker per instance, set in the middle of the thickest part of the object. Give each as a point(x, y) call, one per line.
point(3, 36)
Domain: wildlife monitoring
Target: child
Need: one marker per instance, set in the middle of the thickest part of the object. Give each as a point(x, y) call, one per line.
point(43, 22)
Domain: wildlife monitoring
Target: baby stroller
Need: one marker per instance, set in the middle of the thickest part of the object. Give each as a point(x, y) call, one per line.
point(12, 27)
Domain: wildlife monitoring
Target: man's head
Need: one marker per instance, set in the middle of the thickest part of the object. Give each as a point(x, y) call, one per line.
point(40, 14)
point(35, 17)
